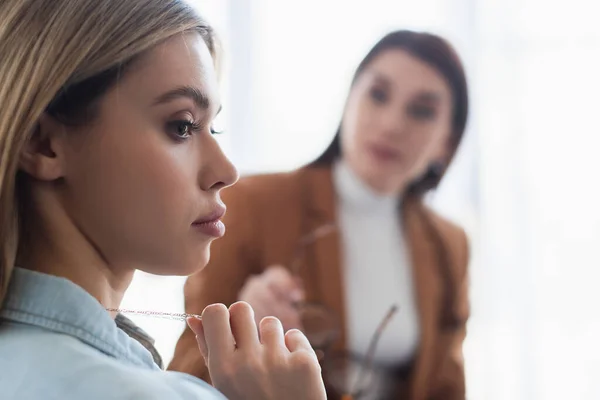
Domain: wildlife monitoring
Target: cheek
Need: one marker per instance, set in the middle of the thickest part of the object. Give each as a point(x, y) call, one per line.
point(135, 197)
point(432, 139)
point(357, 123)
point(426, 146)
point(420, 141)
point(148, 172)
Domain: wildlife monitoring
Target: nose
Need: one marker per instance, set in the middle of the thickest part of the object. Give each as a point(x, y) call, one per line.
point(217, 171)
point(392, 123)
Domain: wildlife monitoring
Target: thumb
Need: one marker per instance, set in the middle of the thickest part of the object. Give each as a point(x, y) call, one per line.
point(297, 294)
point(196, 326)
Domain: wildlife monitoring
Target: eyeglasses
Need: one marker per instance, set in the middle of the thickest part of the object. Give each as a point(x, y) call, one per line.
point(348, 378)
point(353, 378)
point(320, 324)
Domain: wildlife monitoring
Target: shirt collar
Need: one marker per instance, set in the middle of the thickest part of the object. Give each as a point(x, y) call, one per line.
point(137, 333)
point(59, 305)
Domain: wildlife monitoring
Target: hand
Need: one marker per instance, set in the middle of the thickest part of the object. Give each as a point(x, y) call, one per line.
point(256, 364)
point(275, 292)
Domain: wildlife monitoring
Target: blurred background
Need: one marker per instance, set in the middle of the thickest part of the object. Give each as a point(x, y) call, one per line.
point(523, 185)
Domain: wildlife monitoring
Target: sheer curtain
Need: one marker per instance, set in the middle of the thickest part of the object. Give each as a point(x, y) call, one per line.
point(534, 297)
point(523, 183)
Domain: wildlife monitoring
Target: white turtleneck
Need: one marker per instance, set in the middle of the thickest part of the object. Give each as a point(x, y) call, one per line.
point(377, 270)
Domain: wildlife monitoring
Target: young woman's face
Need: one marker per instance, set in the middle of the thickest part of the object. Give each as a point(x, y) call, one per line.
point(142, 182)
point(397, 121)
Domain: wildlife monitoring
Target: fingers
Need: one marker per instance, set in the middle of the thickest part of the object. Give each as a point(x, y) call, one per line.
point(274, 293)
point(267, 362)
point(296, 341)
point(281, 282)
point(195, 325)
point(287, 293)
point(302, 356)
point(243, 326)
point(271, 333)
point(266, 305)
point(220, 343)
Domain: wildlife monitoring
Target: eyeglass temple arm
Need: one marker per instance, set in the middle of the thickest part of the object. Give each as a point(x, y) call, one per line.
point(306, 240)
point(368, 361)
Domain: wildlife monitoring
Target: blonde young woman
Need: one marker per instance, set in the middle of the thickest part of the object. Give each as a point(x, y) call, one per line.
point(108, 165)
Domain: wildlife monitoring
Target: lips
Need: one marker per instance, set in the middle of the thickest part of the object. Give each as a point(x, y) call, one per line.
point(384, 153)
point(211, 224)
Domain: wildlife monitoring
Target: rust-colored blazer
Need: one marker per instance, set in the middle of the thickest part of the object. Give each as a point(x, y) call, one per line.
point(266, 216)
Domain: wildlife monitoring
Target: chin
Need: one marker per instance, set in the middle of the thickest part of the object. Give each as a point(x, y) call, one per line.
point(182, 266)
point(192, 265)
point(198, 264)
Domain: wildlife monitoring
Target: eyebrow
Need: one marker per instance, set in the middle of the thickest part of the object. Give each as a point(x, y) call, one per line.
point(426, 96)
point(430, 97)
point(380, 78)
point(196, 95)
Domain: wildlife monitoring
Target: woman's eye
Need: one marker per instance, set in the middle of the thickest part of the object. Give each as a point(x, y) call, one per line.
point(181, 130)
point(218, 124)
point(215, 131)
point(422, 112)
point(378, 95)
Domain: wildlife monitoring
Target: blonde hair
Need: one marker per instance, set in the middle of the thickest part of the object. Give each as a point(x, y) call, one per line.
point(49, 46)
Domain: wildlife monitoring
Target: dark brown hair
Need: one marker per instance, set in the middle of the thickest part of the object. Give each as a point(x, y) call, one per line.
point(438, 53)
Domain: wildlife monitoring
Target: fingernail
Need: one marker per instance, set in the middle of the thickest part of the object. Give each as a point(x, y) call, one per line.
point(187, 320)
point(193, 324)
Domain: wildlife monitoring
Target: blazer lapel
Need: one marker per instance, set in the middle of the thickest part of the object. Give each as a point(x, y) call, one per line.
point(324, 254)
point(427, 287)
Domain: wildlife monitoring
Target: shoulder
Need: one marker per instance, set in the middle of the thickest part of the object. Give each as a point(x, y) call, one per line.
point(130, 383)
point(450, 230)
point(40, 364)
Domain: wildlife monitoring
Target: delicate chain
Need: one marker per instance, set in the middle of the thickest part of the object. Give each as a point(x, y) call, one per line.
point(321, 231)
point(156, 314)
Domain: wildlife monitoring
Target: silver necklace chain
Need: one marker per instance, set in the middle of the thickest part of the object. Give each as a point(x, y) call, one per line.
point(156, 314)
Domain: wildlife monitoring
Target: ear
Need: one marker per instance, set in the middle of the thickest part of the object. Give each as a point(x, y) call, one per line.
point(41, 157)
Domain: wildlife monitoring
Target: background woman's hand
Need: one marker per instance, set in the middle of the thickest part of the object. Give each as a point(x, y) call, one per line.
point(249, 363)
point(275, 292)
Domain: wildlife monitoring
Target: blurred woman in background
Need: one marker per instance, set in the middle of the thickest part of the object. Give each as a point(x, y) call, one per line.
point(330, 247)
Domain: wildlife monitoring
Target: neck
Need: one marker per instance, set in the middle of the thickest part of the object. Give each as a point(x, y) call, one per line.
point(383, 188)
point(55, 246)
point(378, 185)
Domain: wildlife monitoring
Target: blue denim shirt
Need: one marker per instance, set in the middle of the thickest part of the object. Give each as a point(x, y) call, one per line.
point(58, 342)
